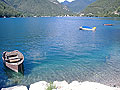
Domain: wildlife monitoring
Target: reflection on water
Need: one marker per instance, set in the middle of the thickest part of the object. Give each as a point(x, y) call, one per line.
point(110, 18)
point(13, 77)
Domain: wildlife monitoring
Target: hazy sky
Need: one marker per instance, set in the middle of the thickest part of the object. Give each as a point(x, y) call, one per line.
point(64, 0)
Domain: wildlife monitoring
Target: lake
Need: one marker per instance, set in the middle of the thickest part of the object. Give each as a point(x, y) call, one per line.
point(55, 49)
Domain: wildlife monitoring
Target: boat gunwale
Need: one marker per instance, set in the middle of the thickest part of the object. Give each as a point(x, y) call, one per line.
point(13, 63)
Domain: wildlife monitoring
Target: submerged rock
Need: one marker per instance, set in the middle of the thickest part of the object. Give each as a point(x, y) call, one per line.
point(16, 88)
point(42, 85)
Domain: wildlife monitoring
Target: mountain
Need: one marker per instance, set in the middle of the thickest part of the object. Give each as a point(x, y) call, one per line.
point(77, 5)
point(65, 2)
point(8, 11)
point(38, 7)
point(103, 8)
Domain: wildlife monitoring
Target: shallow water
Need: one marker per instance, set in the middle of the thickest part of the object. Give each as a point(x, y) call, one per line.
point(55, 49)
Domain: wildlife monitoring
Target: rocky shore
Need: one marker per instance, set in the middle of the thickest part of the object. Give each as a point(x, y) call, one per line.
point(63, 85)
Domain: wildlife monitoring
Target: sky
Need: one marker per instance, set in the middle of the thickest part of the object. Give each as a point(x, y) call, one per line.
point(64, 0)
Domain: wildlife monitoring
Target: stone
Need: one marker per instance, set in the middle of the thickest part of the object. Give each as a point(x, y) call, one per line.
point(61, 85)
point(16, 88)
point(74, 85)
point(41, 85)
point(95, 86)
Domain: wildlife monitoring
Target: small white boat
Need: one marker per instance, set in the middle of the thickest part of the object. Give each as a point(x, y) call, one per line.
point(87, 28)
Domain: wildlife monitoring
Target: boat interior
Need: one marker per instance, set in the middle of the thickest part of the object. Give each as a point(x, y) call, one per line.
point(12, 57)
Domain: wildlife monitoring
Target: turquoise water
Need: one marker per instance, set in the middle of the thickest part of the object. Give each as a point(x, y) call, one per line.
point(55, 49)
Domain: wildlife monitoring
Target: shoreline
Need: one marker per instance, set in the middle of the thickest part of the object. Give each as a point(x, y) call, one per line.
point(63, 85)
point(56, 16)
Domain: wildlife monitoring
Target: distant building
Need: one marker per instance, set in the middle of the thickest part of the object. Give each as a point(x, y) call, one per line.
point(82, 14)
point(116, 12)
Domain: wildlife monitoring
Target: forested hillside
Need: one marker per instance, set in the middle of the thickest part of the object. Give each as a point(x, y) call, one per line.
point(35, 7)
point(19, 8)
point(8, 11)
point(78, 5)
point(103, 8)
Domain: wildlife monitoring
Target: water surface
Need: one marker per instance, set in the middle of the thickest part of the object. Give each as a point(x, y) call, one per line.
point(55, 49)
